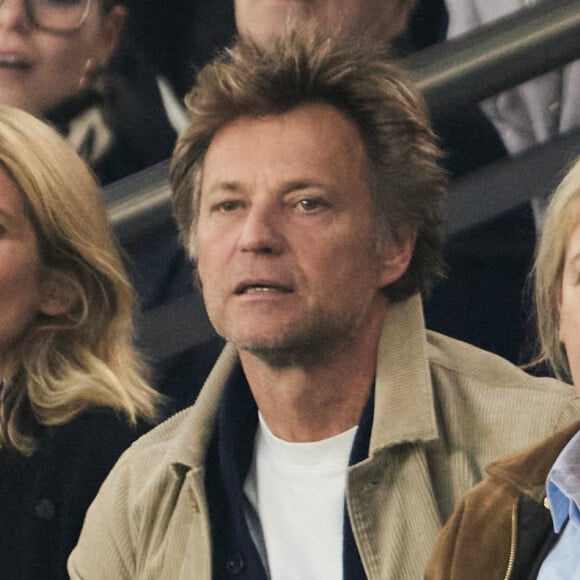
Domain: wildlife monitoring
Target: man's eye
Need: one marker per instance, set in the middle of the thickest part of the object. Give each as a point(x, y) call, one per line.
point(310, 205)
point(228, 206)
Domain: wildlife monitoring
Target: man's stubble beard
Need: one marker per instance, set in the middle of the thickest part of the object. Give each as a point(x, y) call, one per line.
point(321, 340)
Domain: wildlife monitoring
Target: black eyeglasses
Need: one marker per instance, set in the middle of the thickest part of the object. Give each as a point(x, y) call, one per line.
point(57, 16)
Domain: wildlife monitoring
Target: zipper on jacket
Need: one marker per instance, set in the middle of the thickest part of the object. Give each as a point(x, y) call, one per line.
point(513, 541)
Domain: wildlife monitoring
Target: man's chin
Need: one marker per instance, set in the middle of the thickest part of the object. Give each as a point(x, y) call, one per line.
point(298, 352)
point(271, 352)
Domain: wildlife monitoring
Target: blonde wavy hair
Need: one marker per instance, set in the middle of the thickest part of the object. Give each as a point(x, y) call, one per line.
point(84, 358)
point(562, 216)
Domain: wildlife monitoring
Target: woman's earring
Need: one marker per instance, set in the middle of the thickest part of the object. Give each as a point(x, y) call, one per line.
point(91, 74)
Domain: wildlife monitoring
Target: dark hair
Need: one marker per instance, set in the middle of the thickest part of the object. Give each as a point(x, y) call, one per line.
point(249, 80)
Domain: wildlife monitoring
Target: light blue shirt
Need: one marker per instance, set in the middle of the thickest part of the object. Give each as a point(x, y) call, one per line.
point(563, 489)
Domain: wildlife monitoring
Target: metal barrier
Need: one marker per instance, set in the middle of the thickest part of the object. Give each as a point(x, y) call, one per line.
point(499, 55)
point(504, 185)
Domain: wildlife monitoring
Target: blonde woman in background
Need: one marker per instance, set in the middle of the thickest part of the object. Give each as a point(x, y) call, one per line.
point(523, 521)
point(73, 392)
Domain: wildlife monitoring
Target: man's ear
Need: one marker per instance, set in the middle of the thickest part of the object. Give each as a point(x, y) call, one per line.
point(59, 294)
point(397, 252)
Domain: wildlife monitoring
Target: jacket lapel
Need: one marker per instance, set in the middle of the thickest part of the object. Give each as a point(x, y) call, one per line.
point(390, 497)
point(188, 536)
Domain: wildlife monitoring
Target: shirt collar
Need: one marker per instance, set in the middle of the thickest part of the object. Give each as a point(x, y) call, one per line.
point(563, 485)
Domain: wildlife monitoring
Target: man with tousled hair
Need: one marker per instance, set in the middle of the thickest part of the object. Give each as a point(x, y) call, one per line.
point(335, 433)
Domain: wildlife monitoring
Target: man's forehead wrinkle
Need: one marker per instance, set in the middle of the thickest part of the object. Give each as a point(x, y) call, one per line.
point(224, 185)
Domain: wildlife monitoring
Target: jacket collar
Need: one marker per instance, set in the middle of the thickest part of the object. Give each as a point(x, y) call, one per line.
point(190, 445)
point(404, 405)
point(404, 400)
point(526, 472)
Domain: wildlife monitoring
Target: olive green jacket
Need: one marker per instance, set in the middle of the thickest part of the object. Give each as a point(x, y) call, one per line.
point(502, 529)
point(443, 410)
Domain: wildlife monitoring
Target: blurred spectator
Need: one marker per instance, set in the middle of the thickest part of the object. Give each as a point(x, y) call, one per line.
point(69, 62)
point(379, 19)
point(534, 111)
point(489, 263)
point(180, 36)
point(72, 388)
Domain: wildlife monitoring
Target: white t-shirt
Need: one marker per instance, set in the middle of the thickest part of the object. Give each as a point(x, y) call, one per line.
point(295, 510)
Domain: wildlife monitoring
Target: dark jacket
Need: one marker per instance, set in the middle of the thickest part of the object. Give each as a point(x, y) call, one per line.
point(44, 497)
point(119, 126)
point(502, 529)
point(181, 376)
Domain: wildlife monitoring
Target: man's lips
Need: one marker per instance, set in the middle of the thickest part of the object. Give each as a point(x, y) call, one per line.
point(261, 286)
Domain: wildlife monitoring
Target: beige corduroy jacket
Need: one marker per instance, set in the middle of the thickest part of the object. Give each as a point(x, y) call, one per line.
point(443, 410)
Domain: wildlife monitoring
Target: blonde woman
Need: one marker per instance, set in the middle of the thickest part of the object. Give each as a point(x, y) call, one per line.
point(73, 391)
point(523, 521)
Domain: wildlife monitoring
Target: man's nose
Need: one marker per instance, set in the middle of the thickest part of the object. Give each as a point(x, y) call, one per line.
point(14, 15)
point(262, 230)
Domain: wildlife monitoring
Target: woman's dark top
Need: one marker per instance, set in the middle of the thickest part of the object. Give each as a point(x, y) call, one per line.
point(120, 125)
point(44, 497)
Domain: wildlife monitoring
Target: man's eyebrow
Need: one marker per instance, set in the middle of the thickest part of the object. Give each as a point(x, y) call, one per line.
point(301, 184)
point(285, 188)
point(227, 186)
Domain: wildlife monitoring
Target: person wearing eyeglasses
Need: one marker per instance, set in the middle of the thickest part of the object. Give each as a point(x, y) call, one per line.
point(60, 60)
